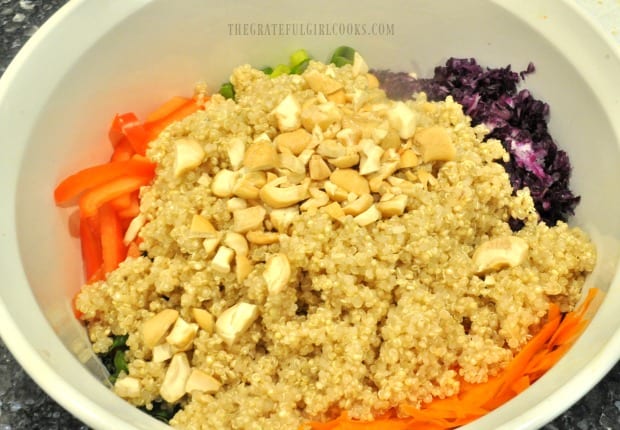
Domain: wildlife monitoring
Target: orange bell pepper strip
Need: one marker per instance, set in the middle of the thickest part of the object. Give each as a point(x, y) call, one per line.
point(78, 183)
point(94, 198)
point(113, 250)
point(91, 247)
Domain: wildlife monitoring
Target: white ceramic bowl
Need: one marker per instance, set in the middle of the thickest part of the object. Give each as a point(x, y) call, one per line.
point(95, 58)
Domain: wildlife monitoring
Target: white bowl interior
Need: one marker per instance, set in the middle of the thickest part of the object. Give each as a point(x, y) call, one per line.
point(130, 56)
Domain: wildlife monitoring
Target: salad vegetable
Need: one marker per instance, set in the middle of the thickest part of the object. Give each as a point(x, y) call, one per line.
point(515, 117)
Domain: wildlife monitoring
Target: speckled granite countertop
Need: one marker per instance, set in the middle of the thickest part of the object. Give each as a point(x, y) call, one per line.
point(24, 406)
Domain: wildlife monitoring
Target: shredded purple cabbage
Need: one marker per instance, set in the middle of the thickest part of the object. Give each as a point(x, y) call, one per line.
point(515, 117)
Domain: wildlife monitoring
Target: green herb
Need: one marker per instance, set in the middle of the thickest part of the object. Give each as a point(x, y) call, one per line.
point(162, 411)
point(280, 69)
point(114, 359)
point(343, 55)
point(227, 90)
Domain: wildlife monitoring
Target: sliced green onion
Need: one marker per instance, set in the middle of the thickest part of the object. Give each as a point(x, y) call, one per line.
point(280, 69)
point(298, 57)
point(343, 55)
point(119, 341)
point(298, 69)
point(227, 90)
point(267, 70)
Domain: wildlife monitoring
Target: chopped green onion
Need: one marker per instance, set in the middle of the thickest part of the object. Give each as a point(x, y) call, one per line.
point(267, 70)
point(119, 362)
point(343, 55)
point(227, 90)
point(298, 69)
point(280, 69)
point(119, 342)
point(298, 57)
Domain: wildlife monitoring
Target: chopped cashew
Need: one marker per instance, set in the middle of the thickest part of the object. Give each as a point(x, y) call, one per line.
point(201, 225)
point(182, 334)
point(277, 273)
point(288, 114)
point(173, 387)
point(281, 219)
point(248, 219)
point(331, 149)
point(154, 329)
point(318, 168)
point(243, 267)
point(235, 203)
point(358, 205)
point(223, 258)
point(245, 189)
point(436, 144)
point(350, 180)
point(201, 381)
point(162, 352)
point(349, 136)
point(134, 228)
point(204, 319)
point(236, 152)
point(367, 217)
point(223, 183)
point(283, 196)
point(323, 115)
point(260, 155)
point(403, 119)
point(394, 206)
point(188, 154)
point(499, 253)
point(262, 237)
point(373, 82)
point(371, 157)
point(234, 321)
point(335, 192)
point(290, 162)
point(236, 242)
point(359, 65)
point(339, 97)
point(128, 387)
point(408, 158)
point(321, 83)
point(391, 140)
point(295, 141)
point(348, 160)
point(335, 211)
point(319, 198)
point(210, 243)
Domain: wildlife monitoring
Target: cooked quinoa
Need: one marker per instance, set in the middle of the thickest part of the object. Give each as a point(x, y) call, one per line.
point(365, 307)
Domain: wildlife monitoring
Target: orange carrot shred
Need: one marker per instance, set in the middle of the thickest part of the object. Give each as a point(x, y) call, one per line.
point(543, 351)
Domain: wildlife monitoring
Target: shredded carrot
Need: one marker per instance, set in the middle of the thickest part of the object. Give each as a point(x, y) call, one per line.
point(541, 353)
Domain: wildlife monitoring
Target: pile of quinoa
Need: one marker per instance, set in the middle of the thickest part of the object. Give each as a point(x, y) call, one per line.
point(372, 315)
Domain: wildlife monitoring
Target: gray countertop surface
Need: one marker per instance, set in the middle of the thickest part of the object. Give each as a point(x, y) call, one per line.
point(23, 405)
